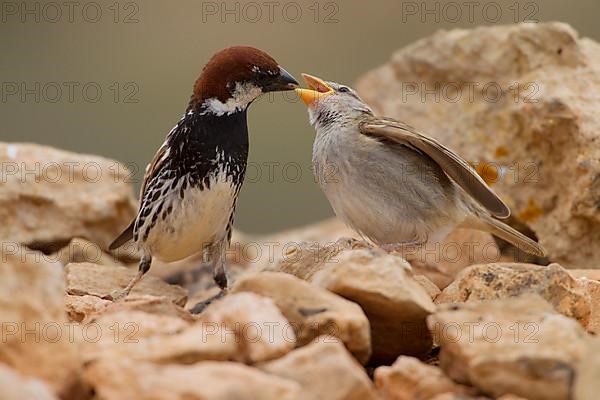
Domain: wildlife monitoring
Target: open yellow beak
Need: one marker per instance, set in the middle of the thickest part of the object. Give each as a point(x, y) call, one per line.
point(317, 90)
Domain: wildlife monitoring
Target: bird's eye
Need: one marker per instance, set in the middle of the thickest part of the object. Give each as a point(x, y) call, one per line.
point(344, 89)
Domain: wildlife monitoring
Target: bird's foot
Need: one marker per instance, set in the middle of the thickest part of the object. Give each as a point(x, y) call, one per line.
point(198, 308)
point(117, 295)
point(121, 295)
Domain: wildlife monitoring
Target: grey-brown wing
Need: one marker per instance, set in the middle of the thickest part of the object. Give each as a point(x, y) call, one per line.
point(451, 163)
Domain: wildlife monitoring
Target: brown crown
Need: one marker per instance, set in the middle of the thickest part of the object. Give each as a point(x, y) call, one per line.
point(233, 64)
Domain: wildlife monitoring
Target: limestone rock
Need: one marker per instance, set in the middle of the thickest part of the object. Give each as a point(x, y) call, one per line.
point(394, 302)
point(431, 288)
point(325, 370)
point(17, 387)
point(502, 280)
point(312, 311)
point(409, 379)
point(80, 308)
point(592, 287)
point(441, 262)
point(131, 380)
point(515, 346)
point(593, 274)
point(119, 334)
point(515, 101)
point(261, 331)
point(102, 281)
point(191, 345)
point(80, 250)
point(587, 378)
point(51, 196)
point(382, 284)
point(270, 249)
point(454, 396)
point(158, 305)
point(242, 327)
point(304, 259)
point(35, 331)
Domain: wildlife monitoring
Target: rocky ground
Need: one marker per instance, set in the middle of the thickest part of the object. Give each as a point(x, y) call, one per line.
point(314, 313)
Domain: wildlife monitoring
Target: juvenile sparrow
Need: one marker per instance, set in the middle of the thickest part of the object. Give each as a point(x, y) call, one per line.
point(391, 183)
point(189, 192)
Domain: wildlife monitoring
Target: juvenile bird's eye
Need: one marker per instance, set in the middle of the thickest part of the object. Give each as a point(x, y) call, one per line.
point(344, 89)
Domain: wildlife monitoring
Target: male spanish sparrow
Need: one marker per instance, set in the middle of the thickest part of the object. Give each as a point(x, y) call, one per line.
point(189, 192)
point(393, 184)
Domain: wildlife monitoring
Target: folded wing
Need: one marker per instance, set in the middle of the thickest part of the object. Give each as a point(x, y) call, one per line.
point(451, 163)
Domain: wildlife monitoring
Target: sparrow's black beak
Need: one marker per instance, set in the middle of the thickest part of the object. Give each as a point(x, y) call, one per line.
point(281, 82)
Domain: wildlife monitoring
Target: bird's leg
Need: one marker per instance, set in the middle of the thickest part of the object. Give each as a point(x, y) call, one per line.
point(220, 275)
point(216, 253)
point(143, 267)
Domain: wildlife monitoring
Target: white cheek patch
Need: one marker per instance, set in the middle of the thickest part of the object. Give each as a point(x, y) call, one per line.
point(243, 95)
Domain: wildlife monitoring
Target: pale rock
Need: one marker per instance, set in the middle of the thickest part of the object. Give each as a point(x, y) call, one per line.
point(50, 196)
point(35, 331)
point(117, 334)
point(503, 280)
point(103, 281)
point(517, 101)
point(242, 327)
point(441, 262)
point(454, 396)
point(395, 303)
point(587, 376)
point(135, 380)
point(312, 311)
point(431, 288)
point(267, 250)
point(303, 251)
point(147, 338)
point(17, 387)
point(259, 328)
point(80, 308)
point(409, 379)
point(304, 259)
point(150, 304)
point(517, 346)
point(592, 287)
point(80, 250)
point(593, 274)
point(325, 370)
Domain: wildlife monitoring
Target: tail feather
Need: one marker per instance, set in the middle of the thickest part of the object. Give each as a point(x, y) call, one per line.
point(123, 238)
point(497, 228)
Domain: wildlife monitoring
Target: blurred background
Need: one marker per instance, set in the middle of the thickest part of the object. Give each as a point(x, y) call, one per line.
point(113, 77)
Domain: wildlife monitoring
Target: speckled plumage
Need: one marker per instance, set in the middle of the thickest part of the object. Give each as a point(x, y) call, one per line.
point(189, 193)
